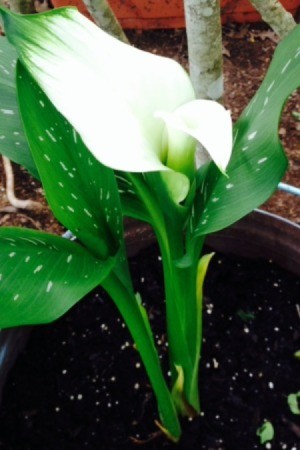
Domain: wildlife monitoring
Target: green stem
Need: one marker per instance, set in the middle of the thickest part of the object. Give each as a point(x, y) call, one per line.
point(179, 350)
point(181, 302)
point(171, 246)
point(139, 328)
point(175, 308)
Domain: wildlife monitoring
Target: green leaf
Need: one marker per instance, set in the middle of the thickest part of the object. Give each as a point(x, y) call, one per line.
point(132, 205)
point(265, 432)
point(297, 354)
point(294, 403)
point(258, 161)
point(82, 193)
point(13, 142)
point(42, 276)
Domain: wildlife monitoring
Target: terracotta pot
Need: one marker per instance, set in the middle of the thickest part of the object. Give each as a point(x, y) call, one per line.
point(150, 14)
point(259, 235)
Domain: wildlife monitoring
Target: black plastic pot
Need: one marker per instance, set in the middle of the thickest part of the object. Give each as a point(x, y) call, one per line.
point(259, 235)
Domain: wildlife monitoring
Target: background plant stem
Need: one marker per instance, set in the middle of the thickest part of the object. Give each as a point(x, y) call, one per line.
point(275, 15)
point(204, 35)
point(20, 6)
point(105, 18)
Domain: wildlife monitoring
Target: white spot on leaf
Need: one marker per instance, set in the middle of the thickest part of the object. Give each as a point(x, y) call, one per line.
point(9, 112)
point(38, 269)
point(49, 286)
point(75, 136)
point(31, 241)
point(271, 86)
point(262, 160)
point(87, 212)
point(286, 66)
point(252, 135)
point(53, 139)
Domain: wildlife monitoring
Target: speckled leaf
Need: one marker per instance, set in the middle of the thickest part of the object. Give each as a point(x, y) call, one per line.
point(42, 276)
point(82, 193)
point(13, 143)
point(258, 161)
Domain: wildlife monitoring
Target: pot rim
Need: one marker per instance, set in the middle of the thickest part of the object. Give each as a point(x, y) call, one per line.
point(260, 234)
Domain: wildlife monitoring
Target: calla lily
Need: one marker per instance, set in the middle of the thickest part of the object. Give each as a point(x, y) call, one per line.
point(135, 111)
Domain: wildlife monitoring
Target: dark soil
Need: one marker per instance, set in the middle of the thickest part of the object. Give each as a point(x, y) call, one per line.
point(80, 384)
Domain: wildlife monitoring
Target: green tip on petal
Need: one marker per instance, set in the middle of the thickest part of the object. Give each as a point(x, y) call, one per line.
point(123, 86)
point(206, 121)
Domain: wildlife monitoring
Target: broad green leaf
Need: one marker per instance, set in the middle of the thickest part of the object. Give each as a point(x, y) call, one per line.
point(258, 161)
point(294, 403)
point(13, 142)
point(132, 205)
point(265, 432)
point(82, 193)
point(42, 276)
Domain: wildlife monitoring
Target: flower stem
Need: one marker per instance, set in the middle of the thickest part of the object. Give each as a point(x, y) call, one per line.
point(168, 230)
point(138, 325)
point(184, 319)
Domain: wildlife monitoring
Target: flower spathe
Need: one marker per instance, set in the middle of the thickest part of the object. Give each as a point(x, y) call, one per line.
point(135, 111)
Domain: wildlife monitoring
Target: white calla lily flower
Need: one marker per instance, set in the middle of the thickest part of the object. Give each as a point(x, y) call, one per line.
point(135, 111)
